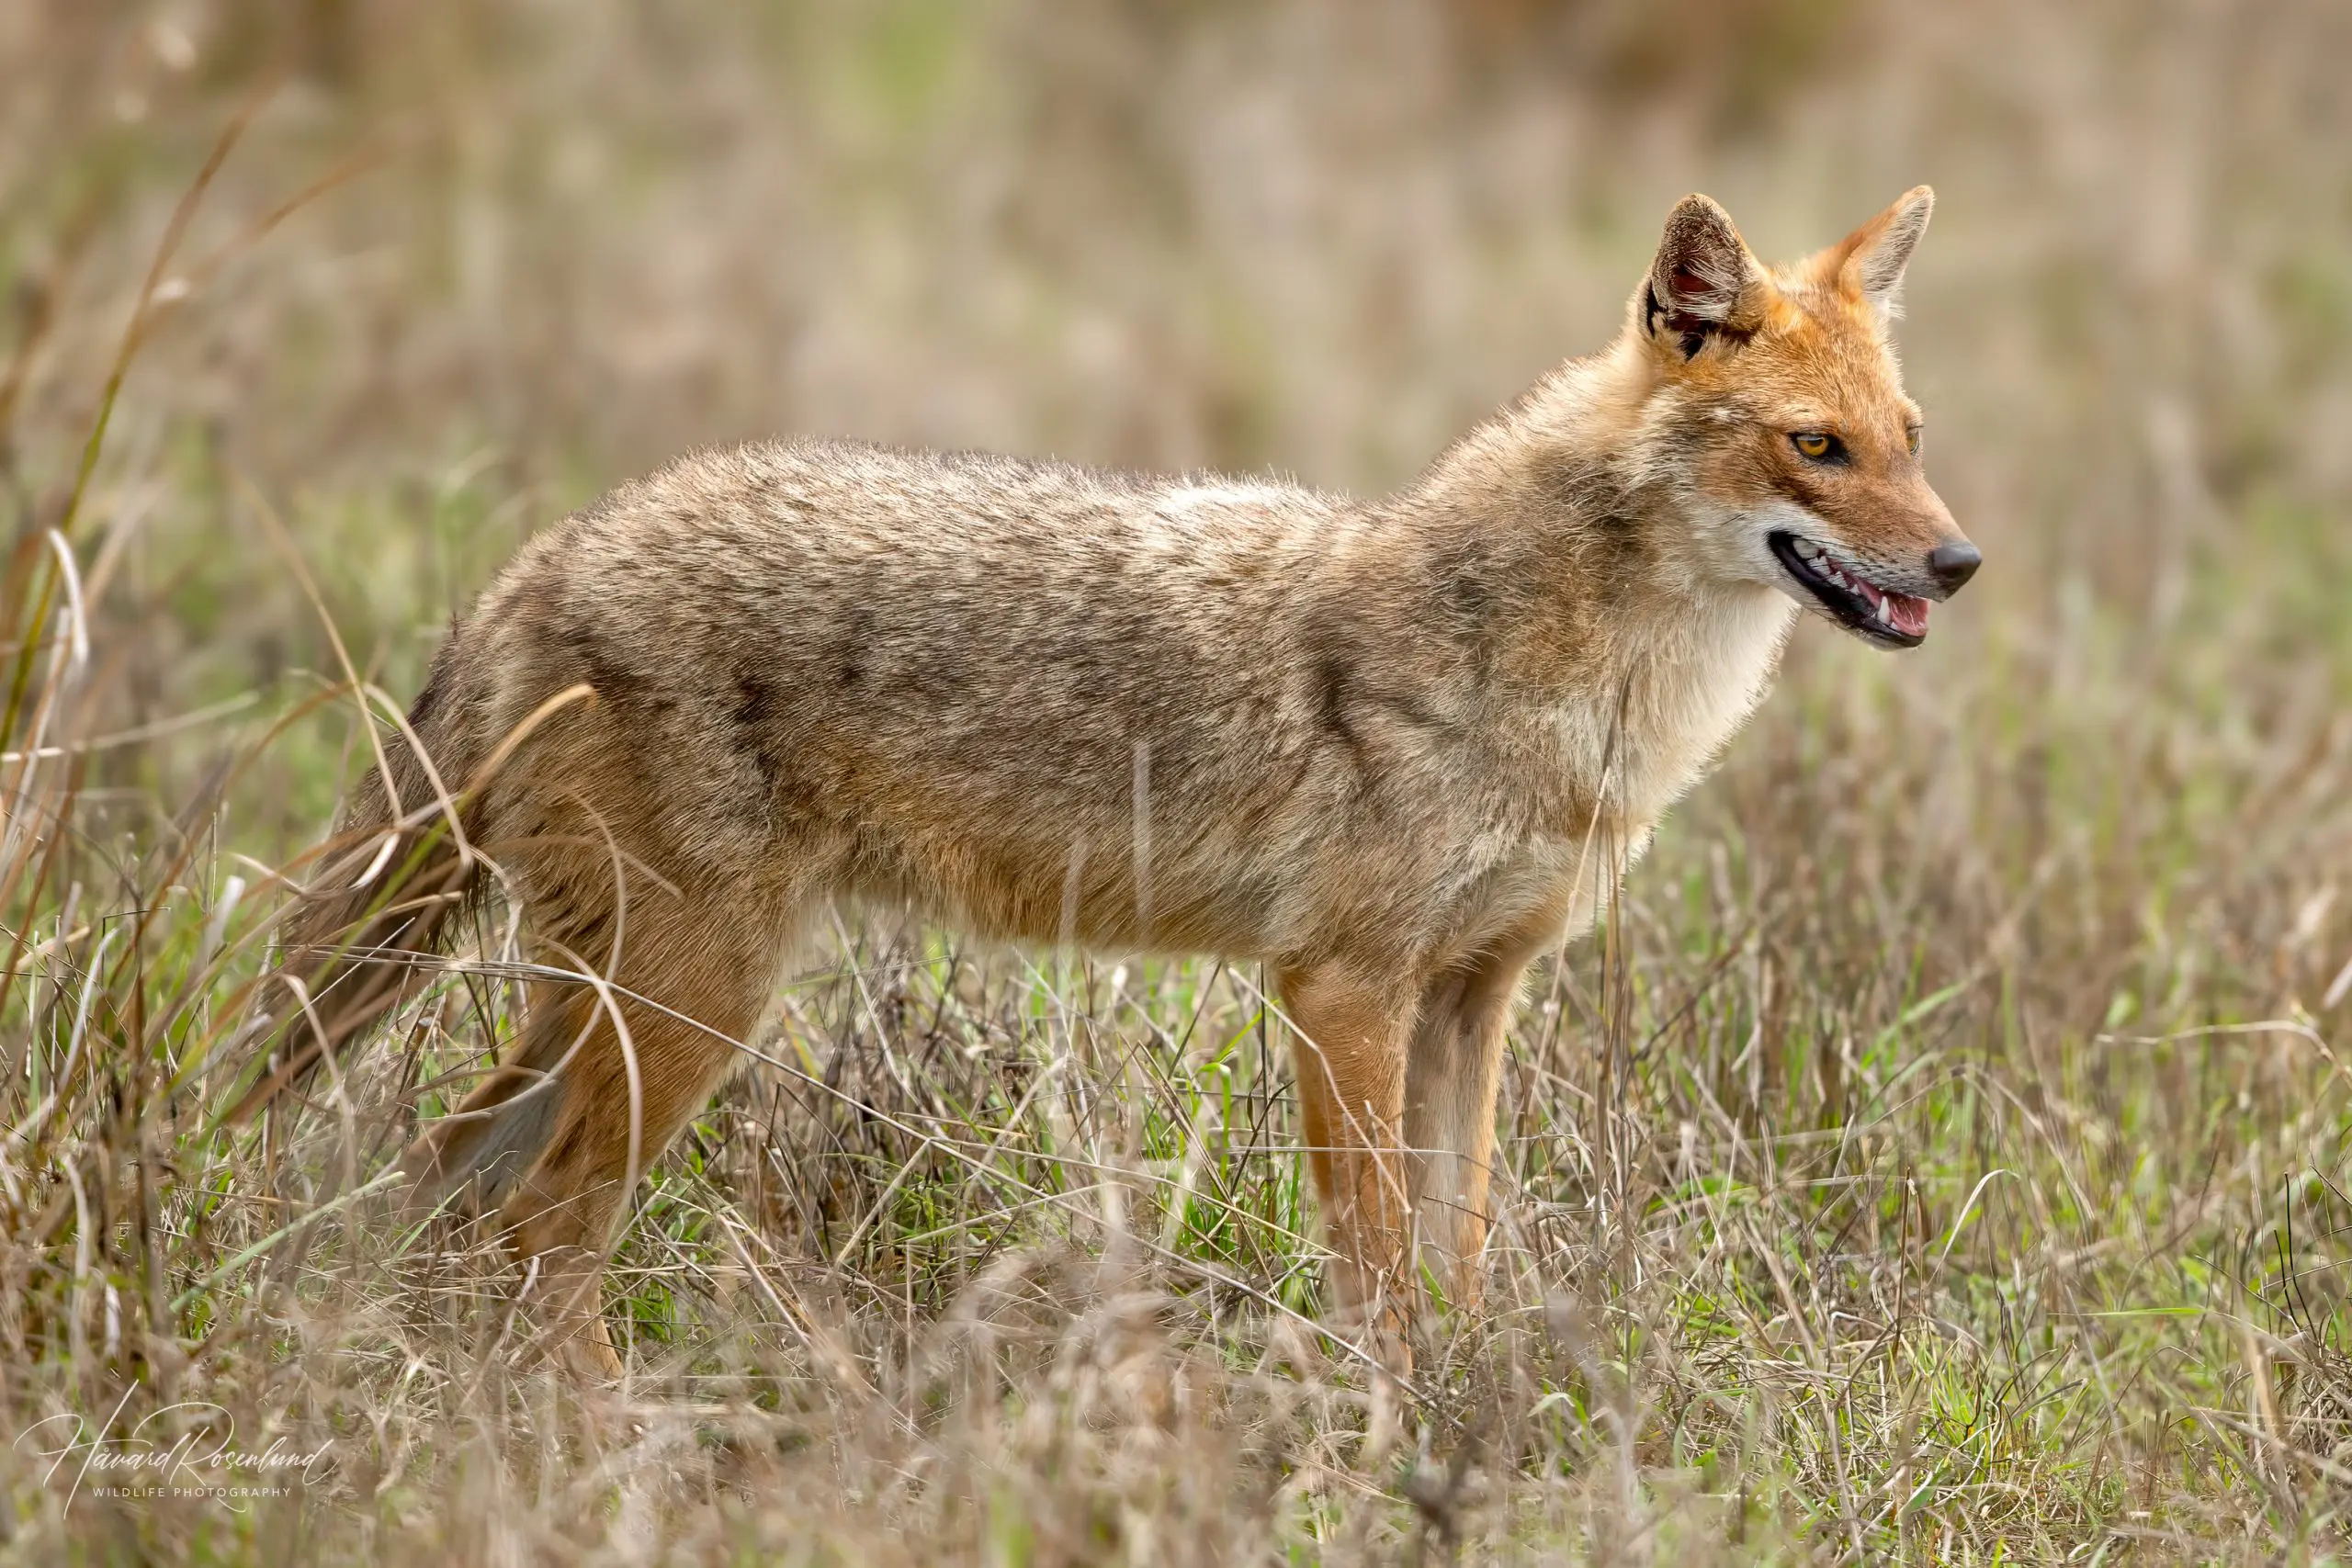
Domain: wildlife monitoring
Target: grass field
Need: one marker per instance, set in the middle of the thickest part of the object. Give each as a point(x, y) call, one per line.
point(1940, 1154)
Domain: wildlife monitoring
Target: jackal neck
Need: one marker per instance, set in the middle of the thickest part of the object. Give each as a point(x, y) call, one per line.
point(1556, 536)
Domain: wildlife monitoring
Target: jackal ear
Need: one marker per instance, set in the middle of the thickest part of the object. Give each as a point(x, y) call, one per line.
point(1870, 260)
point(1701, 276)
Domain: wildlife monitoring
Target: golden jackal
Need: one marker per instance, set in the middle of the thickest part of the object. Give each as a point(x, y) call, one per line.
point(1394, 749)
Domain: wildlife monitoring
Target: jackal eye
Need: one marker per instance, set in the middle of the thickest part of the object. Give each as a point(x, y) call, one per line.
point(1818, 446)
point(1911, 439)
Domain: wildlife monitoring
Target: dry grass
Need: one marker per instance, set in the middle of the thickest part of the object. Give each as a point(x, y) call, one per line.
point(1940, 1156)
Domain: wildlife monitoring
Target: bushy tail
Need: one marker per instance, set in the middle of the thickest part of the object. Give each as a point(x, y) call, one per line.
point(400, 866)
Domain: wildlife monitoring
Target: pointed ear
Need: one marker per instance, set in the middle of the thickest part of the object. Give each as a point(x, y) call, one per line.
point(1870, 260)
point(1703, 277)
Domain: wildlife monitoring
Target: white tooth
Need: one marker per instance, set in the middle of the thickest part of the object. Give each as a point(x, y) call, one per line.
point(1882, 614)
point(1806, 549)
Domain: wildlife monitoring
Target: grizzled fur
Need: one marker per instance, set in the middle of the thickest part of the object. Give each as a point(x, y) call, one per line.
point(1394, 750)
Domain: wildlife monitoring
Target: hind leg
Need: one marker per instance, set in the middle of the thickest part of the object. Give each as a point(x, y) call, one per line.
point(557, 1136)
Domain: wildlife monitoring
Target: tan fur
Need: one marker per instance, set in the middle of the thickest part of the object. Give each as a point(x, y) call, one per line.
point(1394, 750)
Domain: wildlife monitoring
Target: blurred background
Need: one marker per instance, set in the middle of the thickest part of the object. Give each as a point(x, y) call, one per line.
point(2059, 896)
point(562, 242)
point(471, 264)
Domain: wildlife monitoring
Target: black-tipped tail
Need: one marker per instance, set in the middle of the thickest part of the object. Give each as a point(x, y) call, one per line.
point(378, 905)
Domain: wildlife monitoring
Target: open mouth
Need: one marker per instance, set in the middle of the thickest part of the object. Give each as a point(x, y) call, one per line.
point(1884, 617)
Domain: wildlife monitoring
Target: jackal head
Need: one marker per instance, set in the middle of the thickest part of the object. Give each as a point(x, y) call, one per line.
point(1778, 411)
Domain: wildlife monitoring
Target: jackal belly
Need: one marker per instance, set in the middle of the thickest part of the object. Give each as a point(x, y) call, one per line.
point(1027, 882)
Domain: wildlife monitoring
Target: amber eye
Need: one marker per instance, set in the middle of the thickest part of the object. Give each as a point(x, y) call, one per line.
point(1817, 444)
point(1911, 439)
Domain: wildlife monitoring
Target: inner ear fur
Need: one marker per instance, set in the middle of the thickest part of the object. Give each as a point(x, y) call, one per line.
point(1703, 280)
point(1869, 262)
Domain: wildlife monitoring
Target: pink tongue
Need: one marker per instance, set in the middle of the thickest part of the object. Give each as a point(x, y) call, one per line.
point(1904, 613)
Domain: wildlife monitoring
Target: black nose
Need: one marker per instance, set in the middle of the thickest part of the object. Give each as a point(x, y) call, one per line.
point(1954, 563)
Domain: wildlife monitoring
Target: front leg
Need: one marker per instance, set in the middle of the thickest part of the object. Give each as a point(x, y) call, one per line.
point(1453, 1067)
point(1351, 1032)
